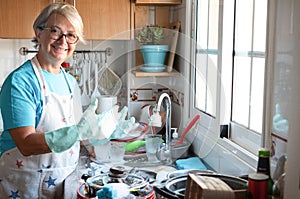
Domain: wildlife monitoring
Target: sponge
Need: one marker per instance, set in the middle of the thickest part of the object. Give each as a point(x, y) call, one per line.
point(190, 163)
point(107, 192)
point(135, 145)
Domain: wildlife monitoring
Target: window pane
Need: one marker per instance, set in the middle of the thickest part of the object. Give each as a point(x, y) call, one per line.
point(260, 19)
point(213, 24)
point(257, 91)
point(212, 84)
point(248, 88)
point(207, 56)
point(241, 90)
point(200, 87)
point(202, 24)
point(243, 27)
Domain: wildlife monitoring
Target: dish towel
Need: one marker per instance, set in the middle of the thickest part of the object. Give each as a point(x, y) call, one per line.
point(190, 163)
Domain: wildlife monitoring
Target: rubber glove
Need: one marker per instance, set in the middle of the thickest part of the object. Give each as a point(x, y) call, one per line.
point(93, 126)
point(122, 127)
point(90, 126)
point(280, 124)
point(98, 129)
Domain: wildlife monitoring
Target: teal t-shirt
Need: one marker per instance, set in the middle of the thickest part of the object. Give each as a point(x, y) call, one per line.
point(21, 101)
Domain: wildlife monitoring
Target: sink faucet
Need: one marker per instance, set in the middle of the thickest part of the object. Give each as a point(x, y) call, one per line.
point(155, 120)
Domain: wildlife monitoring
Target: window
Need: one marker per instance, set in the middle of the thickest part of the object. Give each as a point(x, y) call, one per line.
point(230, 66)
point(207, 56)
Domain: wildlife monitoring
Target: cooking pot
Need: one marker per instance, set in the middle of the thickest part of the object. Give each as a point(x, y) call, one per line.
point(137, 182)
point(174, 188)
point(146, 192)
point(185, 172)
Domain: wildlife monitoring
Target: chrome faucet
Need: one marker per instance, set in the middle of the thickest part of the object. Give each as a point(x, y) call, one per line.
point(155, 120)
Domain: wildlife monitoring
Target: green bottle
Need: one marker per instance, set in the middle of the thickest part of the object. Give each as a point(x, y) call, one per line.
point(263, 166)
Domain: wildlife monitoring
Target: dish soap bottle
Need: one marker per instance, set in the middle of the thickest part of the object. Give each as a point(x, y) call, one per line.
point(174, 136)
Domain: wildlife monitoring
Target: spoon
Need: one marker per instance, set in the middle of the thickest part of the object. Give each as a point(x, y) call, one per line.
point(96, 92)
point(85, 100)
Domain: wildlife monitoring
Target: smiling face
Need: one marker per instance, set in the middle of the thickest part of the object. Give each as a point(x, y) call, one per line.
point(52, 52)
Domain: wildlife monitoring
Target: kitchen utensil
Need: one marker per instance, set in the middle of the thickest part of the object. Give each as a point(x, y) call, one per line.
point(135, 145)
point(180, 150)
point(187, 129)
point(109, 81)
point(153, 145)
point(85, 100)
point(96, 92)
point(106, 102)
point(133, 181)
point(175, 188)
point(185, 172)
point(117, 152)
point(135, 134)
point(102, 152)
point(148, 176)
point(89, 66)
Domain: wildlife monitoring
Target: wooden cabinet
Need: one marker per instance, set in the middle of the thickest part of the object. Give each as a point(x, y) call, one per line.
point(159, 2)
point(103, 19)
point(17, 17)
point(106, 19)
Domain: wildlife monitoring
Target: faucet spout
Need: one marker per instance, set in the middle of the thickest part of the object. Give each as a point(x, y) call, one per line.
point(164, 97)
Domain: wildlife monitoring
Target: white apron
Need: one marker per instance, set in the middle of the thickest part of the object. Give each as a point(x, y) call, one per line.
point(43, 176)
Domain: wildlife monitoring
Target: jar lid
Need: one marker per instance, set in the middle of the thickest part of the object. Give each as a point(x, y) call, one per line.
point(264, 152)
point(258, 176)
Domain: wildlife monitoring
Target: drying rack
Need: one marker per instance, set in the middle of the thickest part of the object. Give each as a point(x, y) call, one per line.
point(91, 75)
point(108, 51)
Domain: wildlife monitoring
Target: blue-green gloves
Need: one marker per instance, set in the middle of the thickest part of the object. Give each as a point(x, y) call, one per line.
point(280, 124)
point(96, 128)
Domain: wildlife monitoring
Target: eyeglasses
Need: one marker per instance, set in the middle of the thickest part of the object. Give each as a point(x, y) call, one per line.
point(56, 34)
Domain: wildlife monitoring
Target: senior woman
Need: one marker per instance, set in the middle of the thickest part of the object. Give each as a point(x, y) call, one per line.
point(43, 122)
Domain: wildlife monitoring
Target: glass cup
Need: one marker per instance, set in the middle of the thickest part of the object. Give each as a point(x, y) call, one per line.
point(102, 152)
point(153, 143)
point(117, 151)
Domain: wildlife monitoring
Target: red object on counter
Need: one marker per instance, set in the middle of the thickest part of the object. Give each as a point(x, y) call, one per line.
point(65, 65)
point(258, 186)
point(82, 192)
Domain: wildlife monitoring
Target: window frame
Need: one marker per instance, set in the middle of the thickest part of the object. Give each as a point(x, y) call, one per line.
point(212, 124)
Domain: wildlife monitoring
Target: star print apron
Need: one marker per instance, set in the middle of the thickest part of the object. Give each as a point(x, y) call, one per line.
point(43, 176)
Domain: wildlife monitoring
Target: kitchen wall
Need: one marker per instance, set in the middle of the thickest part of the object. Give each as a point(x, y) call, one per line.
point(10, 58)
point(286, 60)
point(120, 62)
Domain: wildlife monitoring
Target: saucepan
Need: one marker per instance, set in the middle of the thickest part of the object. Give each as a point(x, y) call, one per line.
point(174, 188)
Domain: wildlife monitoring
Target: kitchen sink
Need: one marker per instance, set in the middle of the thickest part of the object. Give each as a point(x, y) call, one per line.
point(139, 160)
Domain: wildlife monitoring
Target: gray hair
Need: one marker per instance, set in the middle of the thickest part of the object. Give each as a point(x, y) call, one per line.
point(64, 9)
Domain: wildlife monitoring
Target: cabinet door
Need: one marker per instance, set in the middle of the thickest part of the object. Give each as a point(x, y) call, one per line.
point(161, 2)
point(105, 19)
point(17, 17)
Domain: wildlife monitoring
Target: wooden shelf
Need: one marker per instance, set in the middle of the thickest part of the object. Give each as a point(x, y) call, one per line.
point(139, 73)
